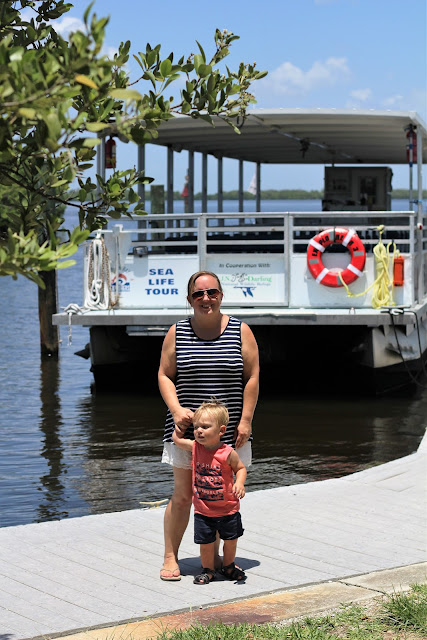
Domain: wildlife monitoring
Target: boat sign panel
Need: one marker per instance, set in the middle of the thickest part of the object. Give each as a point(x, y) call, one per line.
point(155, 281)
point(250, 279)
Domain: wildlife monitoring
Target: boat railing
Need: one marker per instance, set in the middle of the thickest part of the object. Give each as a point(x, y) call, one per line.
point(268, 232)
point(285, 234)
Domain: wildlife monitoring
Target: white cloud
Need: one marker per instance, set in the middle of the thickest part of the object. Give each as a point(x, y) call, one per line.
point(393, 101)
point(361, 94)
point(291, 80)
point(68, 24)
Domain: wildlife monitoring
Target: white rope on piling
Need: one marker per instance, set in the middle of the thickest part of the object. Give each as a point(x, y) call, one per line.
point(98, 285)
point(98, 289)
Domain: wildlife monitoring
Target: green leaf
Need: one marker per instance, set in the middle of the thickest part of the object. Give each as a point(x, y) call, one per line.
point(166, 68)
point(65, 264)
point(27, 112)
point(125, 94)
point(201, 51)
point(198, 60)
point(53, 125)
point(91, 142)
point(59, 183)
point(82, 79)
point(204, 70)
point(96, 126)
point(148, 75)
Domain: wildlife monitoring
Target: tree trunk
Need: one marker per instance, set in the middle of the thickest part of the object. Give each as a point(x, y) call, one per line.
point(48, 305)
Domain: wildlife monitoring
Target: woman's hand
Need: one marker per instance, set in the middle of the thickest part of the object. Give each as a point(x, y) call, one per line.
point(182, 418)
point(243, 432)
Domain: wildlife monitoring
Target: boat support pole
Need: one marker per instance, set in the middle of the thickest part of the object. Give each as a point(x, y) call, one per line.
point(258, 186)
point(204, 182)
point(142, 224)
point(220, 193)
point(420, 215)
point(240, 185)
point(170, 180)
point(190, 184)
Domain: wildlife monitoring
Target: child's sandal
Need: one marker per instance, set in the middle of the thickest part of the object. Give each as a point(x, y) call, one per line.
point(231, 572)
point(205, 577)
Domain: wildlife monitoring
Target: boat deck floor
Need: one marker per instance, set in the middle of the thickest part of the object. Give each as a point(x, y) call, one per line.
point(102, 570)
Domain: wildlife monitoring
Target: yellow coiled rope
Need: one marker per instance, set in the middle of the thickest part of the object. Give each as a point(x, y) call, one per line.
point(383, 289)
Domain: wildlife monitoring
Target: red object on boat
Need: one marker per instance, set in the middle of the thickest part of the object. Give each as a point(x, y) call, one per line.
point(398, 271)
point(110, 154)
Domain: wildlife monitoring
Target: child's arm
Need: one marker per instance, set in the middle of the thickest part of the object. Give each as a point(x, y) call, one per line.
point(239, 470)
point(182, 443)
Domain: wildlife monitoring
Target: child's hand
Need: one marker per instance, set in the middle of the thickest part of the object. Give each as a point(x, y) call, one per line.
point(239, 490)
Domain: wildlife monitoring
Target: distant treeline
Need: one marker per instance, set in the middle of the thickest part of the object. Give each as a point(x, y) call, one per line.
point(282, 194)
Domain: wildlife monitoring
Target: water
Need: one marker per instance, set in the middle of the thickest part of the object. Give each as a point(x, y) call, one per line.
point(66, 451)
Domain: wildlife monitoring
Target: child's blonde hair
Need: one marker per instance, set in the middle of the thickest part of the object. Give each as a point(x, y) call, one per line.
point(215, 409)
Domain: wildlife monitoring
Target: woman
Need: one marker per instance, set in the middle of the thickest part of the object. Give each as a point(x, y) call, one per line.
point(208, 354)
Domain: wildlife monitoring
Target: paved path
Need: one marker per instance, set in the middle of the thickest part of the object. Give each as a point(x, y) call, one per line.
point(97, 571)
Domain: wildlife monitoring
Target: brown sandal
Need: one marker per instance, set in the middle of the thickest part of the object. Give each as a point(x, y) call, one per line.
point(231, 572)
point(205, 577)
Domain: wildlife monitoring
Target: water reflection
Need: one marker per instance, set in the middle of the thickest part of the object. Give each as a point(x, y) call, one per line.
point(122, 466)
point(51, 423)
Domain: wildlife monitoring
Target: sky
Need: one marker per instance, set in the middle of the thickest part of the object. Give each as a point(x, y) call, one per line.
point(368, 54)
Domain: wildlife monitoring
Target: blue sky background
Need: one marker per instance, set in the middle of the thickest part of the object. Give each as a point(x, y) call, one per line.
point(368, 54)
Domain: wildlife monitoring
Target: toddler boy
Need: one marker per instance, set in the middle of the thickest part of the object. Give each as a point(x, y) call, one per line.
point(216, 492)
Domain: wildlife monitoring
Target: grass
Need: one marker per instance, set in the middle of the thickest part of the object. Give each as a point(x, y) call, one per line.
point(400, 616)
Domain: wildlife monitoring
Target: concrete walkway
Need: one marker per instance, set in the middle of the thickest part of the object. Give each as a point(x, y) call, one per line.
point(101, 571)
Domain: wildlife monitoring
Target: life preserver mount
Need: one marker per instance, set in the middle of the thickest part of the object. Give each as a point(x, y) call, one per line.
point(336, 235)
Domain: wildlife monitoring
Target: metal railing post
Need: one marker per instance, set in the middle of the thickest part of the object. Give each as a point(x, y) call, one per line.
point(288, 234)
point(201, 241)
point(420, 230)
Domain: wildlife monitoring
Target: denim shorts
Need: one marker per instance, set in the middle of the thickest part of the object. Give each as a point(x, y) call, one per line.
point(228, 527)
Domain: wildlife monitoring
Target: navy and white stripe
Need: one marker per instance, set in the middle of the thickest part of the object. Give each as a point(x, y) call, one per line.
point(207, 368)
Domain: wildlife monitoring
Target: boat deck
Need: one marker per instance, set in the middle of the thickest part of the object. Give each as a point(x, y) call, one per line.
point(269, 315)
point(97, 571)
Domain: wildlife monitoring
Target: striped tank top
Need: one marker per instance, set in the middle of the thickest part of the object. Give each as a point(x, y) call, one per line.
point(207, 368)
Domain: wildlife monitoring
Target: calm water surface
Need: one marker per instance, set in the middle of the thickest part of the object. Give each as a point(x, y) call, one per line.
point(66, 451)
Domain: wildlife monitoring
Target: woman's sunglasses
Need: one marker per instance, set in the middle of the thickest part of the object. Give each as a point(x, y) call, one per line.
point(212, 293)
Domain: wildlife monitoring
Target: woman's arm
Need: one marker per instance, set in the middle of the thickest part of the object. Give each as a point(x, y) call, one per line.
point(251, 385)
point(167, 373)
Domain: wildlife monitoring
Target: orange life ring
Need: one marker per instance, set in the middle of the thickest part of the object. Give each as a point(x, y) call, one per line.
point(349, 239)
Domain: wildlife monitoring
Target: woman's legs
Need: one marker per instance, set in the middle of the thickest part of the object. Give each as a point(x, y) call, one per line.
point(176, 518)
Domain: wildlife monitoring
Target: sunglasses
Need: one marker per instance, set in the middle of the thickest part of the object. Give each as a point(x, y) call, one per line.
point(212, 293)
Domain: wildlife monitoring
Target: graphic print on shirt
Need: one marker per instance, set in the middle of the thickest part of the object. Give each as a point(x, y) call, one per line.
point(208, 482)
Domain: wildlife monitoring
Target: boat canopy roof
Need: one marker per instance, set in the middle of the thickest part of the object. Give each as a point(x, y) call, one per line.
point(300, 136)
